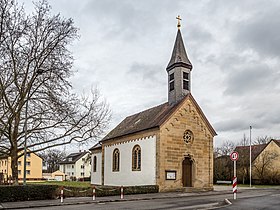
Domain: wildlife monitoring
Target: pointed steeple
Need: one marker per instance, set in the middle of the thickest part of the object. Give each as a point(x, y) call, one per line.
point(178, 70)
point(179, 56)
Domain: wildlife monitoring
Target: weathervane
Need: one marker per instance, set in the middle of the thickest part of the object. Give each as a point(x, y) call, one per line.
point(179, 23)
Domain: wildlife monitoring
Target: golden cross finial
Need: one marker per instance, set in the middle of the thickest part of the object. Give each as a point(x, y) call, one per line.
point(179, 23)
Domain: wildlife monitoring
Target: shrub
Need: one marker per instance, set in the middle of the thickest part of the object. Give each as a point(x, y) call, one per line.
point(141, 189)
point(102, 191)
point(27, 192)
point(41, 192)
point(107, 191)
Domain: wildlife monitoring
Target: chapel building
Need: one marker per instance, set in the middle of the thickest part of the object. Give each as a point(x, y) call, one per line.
point(169, 145)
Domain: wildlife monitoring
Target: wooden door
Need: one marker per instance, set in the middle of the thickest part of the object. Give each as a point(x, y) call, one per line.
point(187, 172)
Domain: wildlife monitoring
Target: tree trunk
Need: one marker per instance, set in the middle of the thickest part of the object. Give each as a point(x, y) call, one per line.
point(14, 148)
point(14, 165)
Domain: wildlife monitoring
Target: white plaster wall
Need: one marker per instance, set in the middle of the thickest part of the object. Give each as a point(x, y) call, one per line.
point(67, 169)
point(96, 176)
point(62, 168)
point(125, 176)
point(79, 170)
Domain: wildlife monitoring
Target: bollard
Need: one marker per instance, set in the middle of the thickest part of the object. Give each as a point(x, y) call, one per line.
point(93, 193)
point(61, 195)
point(121, 192)
point(234, 187)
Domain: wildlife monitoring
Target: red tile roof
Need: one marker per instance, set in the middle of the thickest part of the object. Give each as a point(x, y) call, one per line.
point(256, 149)
point(245, 150)
point(277, 142)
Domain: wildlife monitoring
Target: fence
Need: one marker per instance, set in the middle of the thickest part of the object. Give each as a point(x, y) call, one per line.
point(94, 190)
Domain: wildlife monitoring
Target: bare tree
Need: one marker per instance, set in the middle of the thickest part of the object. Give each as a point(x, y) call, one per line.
point(35, 67)
point(52, 158)
point(225, 149)
point(262, 140)
point(223, 168)
point(263, 165)
point(244, 141)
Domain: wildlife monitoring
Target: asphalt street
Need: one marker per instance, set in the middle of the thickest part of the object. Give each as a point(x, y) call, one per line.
point(269, 201)
point(248, 199)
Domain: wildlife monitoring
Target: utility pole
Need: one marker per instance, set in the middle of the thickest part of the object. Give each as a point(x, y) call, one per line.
point(250, 156)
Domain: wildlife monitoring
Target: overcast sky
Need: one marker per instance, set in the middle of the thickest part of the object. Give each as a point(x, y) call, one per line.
point(234, 46)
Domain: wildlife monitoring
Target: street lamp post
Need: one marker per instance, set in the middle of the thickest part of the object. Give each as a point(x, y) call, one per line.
point(250, 157)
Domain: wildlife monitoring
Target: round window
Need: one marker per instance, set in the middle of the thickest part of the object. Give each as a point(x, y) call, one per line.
point(188, 136)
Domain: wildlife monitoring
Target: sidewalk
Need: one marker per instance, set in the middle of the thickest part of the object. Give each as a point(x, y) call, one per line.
point(87, 200)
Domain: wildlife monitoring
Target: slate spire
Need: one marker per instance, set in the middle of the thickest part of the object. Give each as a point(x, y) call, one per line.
point(179, 56)
point(178, 70)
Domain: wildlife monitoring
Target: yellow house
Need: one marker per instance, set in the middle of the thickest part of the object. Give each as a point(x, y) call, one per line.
point(55, 176)
point(265, 162)
point(33, 166)
point(58, 175)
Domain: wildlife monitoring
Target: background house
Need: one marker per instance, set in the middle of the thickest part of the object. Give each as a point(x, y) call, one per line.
point(76, 165)
point(33, 166)
point(265, 162)
point(55, 176)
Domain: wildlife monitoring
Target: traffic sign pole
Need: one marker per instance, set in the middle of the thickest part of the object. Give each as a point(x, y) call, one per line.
point(234, 181)
point(234, 158)
point(234, 187)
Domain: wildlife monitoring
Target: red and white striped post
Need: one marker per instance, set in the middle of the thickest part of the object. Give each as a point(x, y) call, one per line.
point(93, 193)
point(61, 195)
point(234, 187)
point(234, 157)
point(121, 192)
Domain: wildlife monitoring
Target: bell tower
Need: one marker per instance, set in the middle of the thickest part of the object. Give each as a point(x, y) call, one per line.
point(178, 70)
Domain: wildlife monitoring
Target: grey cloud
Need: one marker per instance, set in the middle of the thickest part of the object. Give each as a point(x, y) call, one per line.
point(148, 73)
point(128, 19)
point(233, 46)
point(261, 32)
point(254, 78)
point(200, 35)
point(271, 116)
point(231, 125)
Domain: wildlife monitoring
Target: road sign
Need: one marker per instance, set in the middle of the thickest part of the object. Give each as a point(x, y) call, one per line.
point(234, 156)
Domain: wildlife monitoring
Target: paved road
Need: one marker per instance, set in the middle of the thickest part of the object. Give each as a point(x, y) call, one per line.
point(174, 203)
point(271, 201)
point(249, 199)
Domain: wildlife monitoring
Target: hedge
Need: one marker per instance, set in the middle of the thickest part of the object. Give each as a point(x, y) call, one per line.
point(27, 192)
point(102, 191)
point(42, 192)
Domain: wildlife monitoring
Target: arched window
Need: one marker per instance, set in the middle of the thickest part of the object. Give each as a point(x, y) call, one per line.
point(94, 163)
point(136, 158)
point(116, 160)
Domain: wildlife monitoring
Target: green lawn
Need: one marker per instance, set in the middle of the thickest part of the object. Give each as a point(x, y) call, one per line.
point(65, 183)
